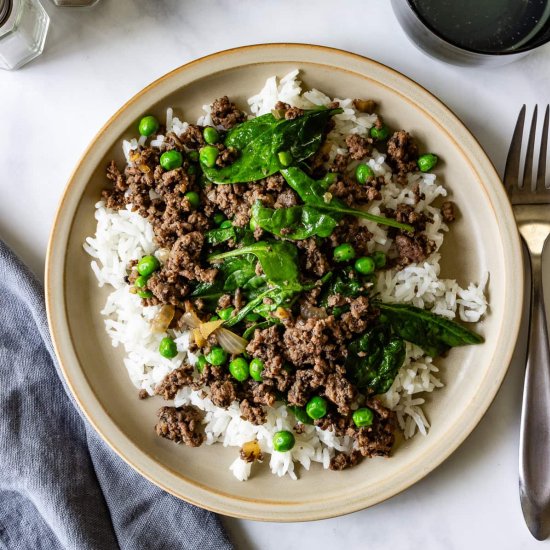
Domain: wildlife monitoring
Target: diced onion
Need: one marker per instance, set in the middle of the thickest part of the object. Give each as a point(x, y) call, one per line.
point(208, 328)
point(251, 451)
point(191, 320)
point(198, 337)
point(230, 342)
point(307, 311)
point(163, 318)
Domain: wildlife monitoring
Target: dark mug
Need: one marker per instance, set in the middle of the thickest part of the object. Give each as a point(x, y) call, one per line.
point(475, 32)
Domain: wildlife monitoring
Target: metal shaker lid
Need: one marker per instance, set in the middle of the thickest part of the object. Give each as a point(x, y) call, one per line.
point(5, 8)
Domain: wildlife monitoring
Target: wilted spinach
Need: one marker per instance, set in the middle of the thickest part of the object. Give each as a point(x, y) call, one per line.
point(296, 222)
point(260, 140)
point(433, 333)
point(279, 260)
point(219, 235)
point(314, 193)
point(343, 282)
point(375, 358)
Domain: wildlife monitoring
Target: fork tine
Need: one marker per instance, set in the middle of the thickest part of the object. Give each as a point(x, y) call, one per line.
point(541, 171)
point(511, 172)
point(528, 168)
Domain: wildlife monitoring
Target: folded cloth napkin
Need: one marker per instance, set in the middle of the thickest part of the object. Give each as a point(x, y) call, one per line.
point(60, 485)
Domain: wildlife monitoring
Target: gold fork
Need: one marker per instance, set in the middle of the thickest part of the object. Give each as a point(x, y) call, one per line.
point(531, 205)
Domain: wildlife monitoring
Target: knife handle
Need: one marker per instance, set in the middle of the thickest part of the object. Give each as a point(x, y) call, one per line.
point(534, 459)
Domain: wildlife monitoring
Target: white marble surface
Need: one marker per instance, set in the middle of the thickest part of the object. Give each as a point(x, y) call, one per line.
point(95, 60)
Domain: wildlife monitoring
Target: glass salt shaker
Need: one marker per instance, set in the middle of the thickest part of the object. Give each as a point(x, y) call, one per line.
point(23, 29)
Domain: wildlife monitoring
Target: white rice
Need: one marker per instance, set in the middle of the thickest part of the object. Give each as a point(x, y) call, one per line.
point(124, 236)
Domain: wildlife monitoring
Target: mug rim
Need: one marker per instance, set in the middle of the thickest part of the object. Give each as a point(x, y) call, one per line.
point(530, 46)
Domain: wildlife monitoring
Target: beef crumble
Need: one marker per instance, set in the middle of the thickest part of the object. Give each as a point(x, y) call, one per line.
point(181, 425)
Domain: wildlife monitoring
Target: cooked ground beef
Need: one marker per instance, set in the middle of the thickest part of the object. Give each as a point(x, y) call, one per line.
point(358, 146)
point(405, 213)
point(193, 138)
point(402, 152)
point(378, 438)
point(313, 259)
point(227, 156)
point(223, 393)
point(225, 113)
point(181, 425)
point(253, 413)
point(413, 249)
point(448, 211)
point(340, 163)
point(174, 381)
point(341, 461)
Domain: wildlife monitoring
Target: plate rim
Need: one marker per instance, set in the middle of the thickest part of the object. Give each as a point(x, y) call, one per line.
point(205, 497)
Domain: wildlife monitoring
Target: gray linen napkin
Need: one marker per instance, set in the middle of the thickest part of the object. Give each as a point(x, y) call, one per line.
point(60, 485)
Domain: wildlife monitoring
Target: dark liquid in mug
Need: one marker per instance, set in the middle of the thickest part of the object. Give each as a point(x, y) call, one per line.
point(487, 26)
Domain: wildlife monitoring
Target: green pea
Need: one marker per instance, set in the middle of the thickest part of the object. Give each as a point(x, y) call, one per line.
point(365, 265)
point(363, 172)
point(239, 369)
point(193, 156)
point(379, 134)
point(379, 259)
point(141, 282)
point(193, 198)
point(214, 318)
point(252, 317)
point(283, 441)
point(217, 356)
point(363, 417)
point(426, 162)
point(148, 125)
point(301, 415)
point(344, 252)
point(147, 265)
point(211, 135)
point(225, 313)
point(168, 348)
point(316, 407)
point(219, 218)
point(285, 158)
point(145, 294)
point(192, 170)
point(208, 156)
point(226, 224)
point(256, 368)
point(170, 160)
point(201, 363)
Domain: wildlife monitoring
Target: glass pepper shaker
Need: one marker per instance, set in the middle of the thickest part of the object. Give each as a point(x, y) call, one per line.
point(23, 29)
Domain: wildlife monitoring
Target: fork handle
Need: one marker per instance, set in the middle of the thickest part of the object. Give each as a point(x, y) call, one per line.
point(534, 463)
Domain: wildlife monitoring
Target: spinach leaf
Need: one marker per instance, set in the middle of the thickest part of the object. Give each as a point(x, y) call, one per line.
point(296, 222)
point(279, 260)
point(375, 358)
point(433, 333)
point(344, 282)
point(237, 272)
point(210, 293)
point(314, 193)
point(261, 139)
point(219, 235)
